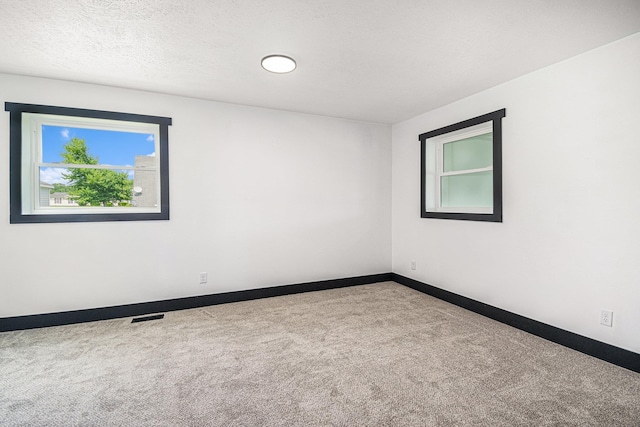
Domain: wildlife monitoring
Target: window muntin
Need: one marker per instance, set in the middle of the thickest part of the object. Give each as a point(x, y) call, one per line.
point(462, 171)
point(122, 163)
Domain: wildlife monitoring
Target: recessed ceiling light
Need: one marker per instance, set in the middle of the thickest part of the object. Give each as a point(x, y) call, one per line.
point(278, 64)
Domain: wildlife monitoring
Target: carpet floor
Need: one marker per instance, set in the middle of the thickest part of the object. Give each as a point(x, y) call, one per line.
point(372, 355)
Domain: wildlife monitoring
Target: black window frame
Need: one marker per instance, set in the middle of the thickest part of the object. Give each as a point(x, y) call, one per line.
point(496, 216)
point(15, 164)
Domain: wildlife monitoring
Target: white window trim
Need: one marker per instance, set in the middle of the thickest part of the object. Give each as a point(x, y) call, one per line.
point(32, 161)
point(481, 129)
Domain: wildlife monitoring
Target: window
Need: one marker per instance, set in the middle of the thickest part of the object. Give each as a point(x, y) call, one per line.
point(461, 170)
point(72, 165)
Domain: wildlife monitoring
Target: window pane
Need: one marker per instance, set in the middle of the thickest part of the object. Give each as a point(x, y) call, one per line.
point(61, 144)
point(469, 153)
point(145, 183)
point(467, 190)
point(86, 187)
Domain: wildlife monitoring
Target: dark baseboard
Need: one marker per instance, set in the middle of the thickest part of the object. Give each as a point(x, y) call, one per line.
point(607, 352)
point(140, 309)
point(618, 356)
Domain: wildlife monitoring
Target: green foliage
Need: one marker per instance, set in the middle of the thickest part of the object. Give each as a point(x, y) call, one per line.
point(60, 188)
point(76, 152)
point(94, 187)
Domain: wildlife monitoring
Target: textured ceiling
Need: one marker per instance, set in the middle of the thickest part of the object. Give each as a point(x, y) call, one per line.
point(372, 60)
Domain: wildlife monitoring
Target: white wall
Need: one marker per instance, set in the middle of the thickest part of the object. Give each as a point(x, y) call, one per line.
point(569, 245)
point(262, 198)
point(258, 198)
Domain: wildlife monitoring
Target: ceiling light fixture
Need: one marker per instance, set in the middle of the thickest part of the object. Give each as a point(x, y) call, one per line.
point(280, 64)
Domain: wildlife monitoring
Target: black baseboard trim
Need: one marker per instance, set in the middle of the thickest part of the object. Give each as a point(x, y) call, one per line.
point(607, 352)
point(140, 309)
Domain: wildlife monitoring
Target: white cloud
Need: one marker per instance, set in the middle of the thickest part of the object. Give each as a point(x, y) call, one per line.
point(150, 137)
point(65, 133)
point(53, 176)
point(152, 154)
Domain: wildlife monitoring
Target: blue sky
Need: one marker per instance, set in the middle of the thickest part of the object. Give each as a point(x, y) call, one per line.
point(110, 147)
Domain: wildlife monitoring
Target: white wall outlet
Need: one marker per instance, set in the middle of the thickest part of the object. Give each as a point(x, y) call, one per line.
point(203, 278)
point(606, 318)
point(413, 265)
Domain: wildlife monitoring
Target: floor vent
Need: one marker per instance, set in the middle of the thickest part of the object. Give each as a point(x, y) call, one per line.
point(145, 318)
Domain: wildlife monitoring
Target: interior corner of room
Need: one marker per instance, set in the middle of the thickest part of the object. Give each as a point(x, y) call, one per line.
point(262, 198)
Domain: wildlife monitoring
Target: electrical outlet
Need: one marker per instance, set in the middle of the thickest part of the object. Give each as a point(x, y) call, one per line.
point(203, 278)
point(413, 265)
point(606, 318)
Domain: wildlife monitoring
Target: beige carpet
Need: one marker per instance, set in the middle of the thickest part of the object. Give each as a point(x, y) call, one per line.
point(373, 355)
